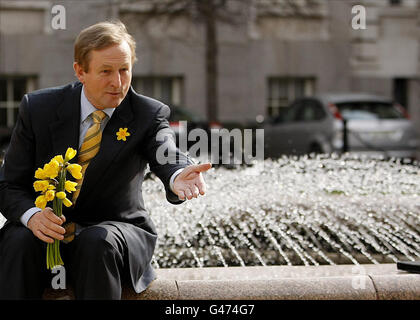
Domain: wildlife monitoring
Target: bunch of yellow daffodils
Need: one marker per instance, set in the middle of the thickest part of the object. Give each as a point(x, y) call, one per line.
point(53, 187)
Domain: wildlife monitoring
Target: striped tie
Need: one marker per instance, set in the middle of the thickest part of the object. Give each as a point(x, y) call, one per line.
point(90, 147)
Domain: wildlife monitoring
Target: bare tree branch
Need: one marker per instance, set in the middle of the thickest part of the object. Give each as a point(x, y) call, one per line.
point(210, 13)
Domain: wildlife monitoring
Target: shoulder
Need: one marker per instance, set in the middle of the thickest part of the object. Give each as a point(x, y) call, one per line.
point(145, 104)
point(50, 96)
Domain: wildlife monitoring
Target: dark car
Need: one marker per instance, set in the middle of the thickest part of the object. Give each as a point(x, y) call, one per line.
point(374, 125)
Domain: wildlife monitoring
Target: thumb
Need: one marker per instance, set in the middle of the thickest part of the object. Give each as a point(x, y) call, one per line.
point(202, 167)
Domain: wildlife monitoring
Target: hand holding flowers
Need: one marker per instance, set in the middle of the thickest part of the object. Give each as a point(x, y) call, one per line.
point(46, 226)
point(52, 184)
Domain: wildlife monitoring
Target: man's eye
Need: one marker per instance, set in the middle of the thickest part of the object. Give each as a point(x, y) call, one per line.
point(105, 71)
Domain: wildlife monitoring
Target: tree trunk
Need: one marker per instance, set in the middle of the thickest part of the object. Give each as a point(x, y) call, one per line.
point(211, 62)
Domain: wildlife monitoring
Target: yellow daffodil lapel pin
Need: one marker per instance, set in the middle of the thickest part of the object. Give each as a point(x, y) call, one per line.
point(122, 134)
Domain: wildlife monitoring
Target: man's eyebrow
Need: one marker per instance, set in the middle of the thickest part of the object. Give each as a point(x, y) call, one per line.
point(109, 66)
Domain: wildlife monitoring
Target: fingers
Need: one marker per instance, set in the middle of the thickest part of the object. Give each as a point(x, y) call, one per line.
point(181, 195)
point(195, 191)
point(48, 234)
point(54, 230)
point(47, 226)
point(43, 237)
point(189, 183)
point(190, 192)
point(52, 217)
point(202, 188)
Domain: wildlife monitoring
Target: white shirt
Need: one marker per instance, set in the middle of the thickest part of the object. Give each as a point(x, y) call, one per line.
point(86, 109)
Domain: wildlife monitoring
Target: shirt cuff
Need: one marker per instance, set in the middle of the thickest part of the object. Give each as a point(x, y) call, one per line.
point(171, 182)
point(28, 214)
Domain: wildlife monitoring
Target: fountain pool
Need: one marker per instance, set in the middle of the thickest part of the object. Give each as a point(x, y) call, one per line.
point(320, 210)
point(325, 209)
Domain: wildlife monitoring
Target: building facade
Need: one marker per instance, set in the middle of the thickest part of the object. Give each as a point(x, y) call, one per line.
point(269, 54)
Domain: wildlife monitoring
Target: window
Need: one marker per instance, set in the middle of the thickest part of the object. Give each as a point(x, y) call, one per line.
point(310, 110)
point(25, 17)
point(282, 91)
point(169, 90)
point(395, 2)
point(12, 90)
point(400, 91)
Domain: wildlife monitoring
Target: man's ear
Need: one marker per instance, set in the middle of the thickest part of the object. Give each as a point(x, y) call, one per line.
point(79, 72)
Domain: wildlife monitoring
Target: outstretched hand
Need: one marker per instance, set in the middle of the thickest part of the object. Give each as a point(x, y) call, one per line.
point(189, 183)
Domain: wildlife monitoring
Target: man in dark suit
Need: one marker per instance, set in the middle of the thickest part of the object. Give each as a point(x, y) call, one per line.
point(114, 236)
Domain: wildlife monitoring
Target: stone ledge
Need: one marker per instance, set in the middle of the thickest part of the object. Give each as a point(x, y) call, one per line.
point(403, 287)
point(336, 288)
point(363, 282)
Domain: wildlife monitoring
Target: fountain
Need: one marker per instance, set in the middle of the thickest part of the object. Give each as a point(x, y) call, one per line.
point(324, 209)
point(315, 213)
point(327, 209)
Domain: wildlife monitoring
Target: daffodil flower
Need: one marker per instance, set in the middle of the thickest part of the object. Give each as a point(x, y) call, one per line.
point(41, 185)
point(40, 174)
point(70, 186)
point(122, 134)
point(41, 202)
point(59, 159)
point(70, 154)
point(75, 170)
point(49, 195)
point(51, 169)
point(60, 195)
point(67, 202)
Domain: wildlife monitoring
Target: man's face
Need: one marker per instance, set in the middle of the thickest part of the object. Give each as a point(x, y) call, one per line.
point(109, 76)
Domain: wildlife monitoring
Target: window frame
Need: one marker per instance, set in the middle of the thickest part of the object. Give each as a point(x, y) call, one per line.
point(10, 104)
point(273, 108)
point(177, 88)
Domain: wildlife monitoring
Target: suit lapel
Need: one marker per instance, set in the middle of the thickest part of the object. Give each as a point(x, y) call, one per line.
point(109, 149)
point(65, 131)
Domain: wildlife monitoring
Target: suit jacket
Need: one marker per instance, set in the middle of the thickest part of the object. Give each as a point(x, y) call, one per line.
point(49, 123)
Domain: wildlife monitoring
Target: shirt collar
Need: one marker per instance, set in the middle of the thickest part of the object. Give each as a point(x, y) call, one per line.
point(87, 108)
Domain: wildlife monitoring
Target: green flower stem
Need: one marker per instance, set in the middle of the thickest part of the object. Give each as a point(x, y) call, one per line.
point(55, 252)
point(53, 249)
point(48, 260)
point(50, 255)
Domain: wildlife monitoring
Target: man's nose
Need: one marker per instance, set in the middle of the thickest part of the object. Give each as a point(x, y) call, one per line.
point(116, 80)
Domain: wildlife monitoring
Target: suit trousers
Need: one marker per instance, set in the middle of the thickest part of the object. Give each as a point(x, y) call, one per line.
point(95, 263)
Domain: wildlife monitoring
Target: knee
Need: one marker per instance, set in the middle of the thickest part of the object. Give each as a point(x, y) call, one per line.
point(21, 239)
point(97, 242)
